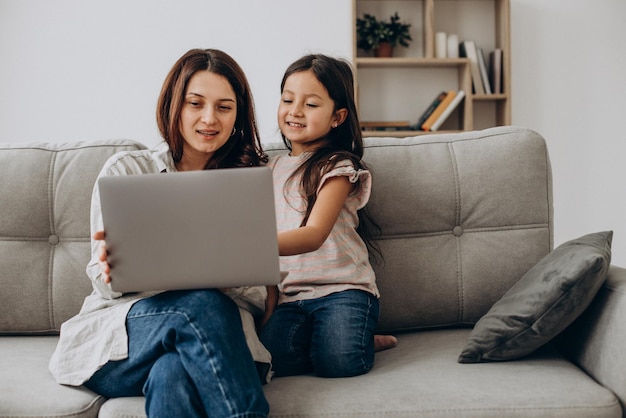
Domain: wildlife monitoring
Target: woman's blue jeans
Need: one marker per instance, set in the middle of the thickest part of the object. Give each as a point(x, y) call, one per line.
point(188, 356)
point(332, 336)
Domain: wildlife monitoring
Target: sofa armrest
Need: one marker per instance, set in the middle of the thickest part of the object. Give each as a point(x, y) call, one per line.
point(596, 340)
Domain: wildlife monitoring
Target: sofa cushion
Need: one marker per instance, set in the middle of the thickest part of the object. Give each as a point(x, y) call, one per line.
point(45, 196)
point(28, 390)
point(547, 299)
point(420, 378)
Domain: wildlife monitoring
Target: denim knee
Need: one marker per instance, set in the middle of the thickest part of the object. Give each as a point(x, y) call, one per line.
point(195, 304)
point(350, 364)
point(170, 391)
point(343, 339)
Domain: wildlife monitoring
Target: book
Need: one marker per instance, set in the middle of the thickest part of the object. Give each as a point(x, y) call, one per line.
point(467, 49)
point(448, 110)
point(439, 110)
point(484, 75)
point(429, 110)
point(386, 126)
point(495, 70)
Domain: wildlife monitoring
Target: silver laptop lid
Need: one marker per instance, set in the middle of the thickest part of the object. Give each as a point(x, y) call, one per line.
point(197, 229)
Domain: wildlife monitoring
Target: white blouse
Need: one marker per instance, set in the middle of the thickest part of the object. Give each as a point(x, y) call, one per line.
point(97, 334)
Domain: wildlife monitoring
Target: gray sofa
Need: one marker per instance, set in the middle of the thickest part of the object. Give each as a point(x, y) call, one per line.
point(464, 216)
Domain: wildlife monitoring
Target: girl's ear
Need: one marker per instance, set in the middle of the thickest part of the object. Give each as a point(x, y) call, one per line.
point(339, 117)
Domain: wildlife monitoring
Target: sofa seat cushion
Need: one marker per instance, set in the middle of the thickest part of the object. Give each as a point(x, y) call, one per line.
point(28, 390)
point(421, 378)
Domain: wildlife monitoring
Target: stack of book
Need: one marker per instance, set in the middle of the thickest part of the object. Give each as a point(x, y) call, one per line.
point(439, 110)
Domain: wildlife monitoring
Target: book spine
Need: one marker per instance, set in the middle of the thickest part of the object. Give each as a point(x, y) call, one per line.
point(439, 110)
point(483, 70)
point(468, 49)
point(495, 70)
point(448, 110)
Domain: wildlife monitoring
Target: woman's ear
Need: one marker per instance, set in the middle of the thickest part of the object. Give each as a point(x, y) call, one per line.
point(339, 117)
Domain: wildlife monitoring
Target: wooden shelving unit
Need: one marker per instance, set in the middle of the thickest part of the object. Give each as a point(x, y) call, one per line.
point(400, 88)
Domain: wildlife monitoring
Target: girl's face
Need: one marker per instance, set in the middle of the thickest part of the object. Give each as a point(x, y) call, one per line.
point(207, 118)
point(306, 113)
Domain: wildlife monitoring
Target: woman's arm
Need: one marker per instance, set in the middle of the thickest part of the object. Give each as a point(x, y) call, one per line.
point(330, 200)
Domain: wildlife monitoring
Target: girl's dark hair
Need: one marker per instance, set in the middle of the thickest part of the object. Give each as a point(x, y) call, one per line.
point(344, 142)
point(242, 149)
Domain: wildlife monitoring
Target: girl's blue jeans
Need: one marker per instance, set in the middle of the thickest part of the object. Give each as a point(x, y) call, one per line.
point(188, 356)
point(332, 336)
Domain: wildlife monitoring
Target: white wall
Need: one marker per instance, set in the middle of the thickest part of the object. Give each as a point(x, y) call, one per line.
point(84, 70)
point(568, 66)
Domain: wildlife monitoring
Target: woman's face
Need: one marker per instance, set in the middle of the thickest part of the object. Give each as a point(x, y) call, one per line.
point(207, 118)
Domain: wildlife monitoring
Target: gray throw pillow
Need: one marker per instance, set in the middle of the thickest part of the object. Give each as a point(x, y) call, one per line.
point(547, 299)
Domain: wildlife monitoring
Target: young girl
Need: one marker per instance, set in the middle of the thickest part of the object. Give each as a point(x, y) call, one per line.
point(328, 304)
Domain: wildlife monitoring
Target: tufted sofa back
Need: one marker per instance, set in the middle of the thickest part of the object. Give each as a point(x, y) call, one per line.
point(463, 217)
point(45, 197)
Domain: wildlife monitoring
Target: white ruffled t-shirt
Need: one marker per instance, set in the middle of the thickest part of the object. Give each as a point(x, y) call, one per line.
point(342, 262)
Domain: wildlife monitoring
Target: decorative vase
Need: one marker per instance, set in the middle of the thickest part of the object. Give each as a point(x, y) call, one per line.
point(384, 50)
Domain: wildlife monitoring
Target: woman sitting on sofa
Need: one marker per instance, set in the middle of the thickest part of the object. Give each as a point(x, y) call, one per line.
point(149, 344)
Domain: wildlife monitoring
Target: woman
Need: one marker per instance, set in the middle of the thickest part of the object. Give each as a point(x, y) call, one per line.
point(186, 351)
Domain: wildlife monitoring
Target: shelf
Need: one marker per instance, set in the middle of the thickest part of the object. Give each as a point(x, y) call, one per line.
point(410, 62)
point(401, 134)
point(402, 87)
point(487, 97)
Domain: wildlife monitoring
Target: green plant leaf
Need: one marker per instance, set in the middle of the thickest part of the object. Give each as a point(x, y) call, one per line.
point(371, 32)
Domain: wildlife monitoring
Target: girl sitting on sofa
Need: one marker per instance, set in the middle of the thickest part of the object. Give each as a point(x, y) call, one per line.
point(328, 304)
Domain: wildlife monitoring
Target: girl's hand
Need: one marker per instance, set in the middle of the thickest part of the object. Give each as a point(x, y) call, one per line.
point(103, 257)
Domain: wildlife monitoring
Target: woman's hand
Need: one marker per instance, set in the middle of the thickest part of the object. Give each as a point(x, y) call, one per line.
point(103, 257)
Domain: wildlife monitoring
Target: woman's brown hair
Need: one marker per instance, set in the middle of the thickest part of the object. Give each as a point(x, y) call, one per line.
point(244, 147)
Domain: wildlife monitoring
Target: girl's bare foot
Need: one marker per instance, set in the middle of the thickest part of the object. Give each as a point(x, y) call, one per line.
point(384, 342)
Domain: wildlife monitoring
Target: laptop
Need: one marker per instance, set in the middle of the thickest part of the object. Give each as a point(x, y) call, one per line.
point(191, 230)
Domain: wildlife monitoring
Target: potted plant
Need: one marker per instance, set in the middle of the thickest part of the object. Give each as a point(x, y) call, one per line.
point(381, 36)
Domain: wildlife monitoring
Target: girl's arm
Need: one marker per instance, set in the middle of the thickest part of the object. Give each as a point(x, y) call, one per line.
point(324, 214)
